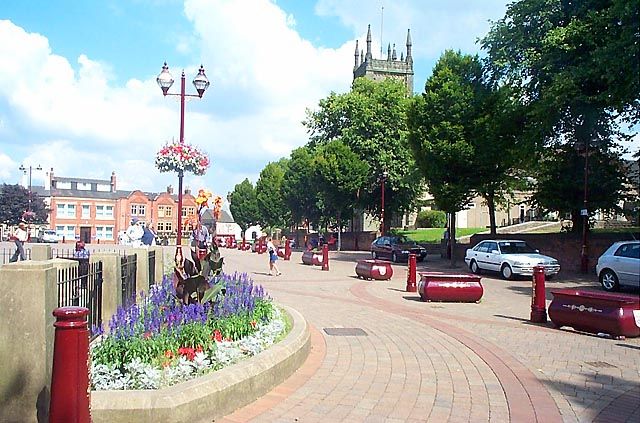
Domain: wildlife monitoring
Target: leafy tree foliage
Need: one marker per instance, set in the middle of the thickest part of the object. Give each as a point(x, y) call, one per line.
point(14, 202)
point(440, 138)
point(271, 204)
point(575, 64)
point(562, 167)
point(341, 174)
point(371, 121)
point(299, 186)
point(244, 204)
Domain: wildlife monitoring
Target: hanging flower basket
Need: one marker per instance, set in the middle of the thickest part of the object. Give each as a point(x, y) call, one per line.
point(176, 157)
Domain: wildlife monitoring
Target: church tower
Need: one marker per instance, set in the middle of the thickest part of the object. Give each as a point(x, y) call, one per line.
point(377, 69)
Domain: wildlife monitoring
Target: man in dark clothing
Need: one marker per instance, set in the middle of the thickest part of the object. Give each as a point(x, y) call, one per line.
point(148, 236)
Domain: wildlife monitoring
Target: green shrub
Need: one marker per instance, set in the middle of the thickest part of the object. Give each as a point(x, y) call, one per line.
point(431, 219)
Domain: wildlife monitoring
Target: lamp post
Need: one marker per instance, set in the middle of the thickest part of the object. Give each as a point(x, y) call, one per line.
point(165, 81)
point(384, 178)
point(584, 257)
point(24, 170)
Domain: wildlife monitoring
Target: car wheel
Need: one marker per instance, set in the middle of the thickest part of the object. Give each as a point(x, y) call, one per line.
point(394, 257)
point(374, 255)
point(506, 271)
point(609, 280)
point(474, 267)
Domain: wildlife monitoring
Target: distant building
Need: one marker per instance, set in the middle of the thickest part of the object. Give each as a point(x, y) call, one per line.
point(94, 210)
point(390, 67)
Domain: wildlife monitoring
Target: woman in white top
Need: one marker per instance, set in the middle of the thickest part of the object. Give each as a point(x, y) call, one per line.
point(273, 257)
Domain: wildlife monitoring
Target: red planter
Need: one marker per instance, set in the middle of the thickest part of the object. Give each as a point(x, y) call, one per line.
point(312, 258)
point(596, 312)
point(463, 288)
point(374, 269)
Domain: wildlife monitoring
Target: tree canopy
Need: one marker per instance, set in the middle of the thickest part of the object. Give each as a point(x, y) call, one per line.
point(14, 202)
point(244, 204)
point(371, 121)
point(271, 204)
point(299, 186)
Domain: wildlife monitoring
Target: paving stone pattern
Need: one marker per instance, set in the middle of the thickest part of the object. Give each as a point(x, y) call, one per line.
point(437, 362)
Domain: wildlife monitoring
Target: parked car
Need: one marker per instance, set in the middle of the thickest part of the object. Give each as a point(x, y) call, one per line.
point(396, 248)
point(47, 235)
point(620, 266)
point(509, 257)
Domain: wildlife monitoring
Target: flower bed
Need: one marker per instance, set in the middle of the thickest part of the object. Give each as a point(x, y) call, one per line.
point(160, 342)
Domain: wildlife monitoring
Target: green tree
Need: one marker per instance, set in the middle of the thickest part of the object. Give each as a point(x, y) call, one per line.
point(441, 131)
point(243, 204)
point(575, 65)
point(299, 187)
point(272, 208)
point(557, 190)
point(341, 175)
point(14, 202)
point(371, 121)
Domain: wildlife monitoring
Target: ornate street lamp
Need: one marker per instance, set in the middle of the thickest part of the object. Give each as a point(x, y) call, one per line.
point(165, 81)
point(24, 170)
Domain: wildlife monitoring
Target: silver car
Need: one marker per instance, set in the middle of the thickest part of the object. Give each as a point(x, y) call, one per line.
point(620, 265)
point(509, 257)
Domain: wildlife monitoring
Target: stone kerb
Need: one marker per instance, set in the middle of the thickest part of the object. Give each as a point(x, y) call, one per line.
point(28, 296)
point(214, 395)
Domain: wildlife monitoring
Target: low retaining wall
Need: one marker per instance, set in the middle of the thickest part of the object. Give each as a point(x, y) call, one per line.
point(214, 395)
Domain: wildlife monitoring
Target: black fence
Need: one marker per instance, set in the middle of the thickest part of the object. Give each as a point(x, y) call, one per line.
point(152, 268)
point(128, 268)
point(7, 253)
point(81, 285)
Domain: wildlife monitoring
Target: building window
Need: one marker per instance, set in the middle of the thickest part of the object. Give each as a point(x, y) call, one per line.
point(164, 226)
point(165, 211)
point(188, 211)
point(86, 211)
point(137, 210)
point(103, 188)
point(104, 212)
point(104, 232)
point(66, 231)
point(83, 186)
point(63, 185)
point(66, 210)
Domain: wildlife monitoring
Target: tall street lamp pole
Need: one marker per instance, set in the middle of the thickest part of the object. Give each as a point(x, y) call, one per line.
point(24, 170)
point(384, 178)
point(584, 257)
point(165, 81)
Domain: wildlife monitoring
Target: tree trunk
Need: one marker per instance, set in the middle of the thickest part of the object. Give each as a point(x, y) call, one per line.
point(339, 233)
point(492, 212)
point(452, 239)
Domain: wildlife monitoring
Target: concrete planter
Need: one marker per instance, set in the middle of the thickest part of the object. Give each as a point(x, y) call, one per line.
point(214, 395)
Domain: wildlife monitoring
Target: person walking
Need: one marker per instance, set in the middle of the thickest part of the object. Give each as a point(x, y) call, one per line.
point(273, 258)
point(21, 235)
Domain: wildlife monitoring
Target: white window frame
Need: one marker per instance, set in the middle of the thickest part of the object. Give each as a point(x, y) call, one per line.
point(66, 209)
point(86, 207)
point(104, 233)
point(104, 212)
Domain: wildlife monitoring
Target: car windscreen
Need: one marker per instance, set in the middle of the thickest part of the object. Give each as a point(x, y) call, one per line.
point(402, 240)
point(516, 248)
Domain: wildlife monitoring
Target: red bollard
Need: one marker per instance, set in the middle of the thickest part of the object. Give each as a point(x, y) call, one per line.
point(287, 250)
point(325, 257)
point(70, 400)
point(411, 275)
point(538, 296)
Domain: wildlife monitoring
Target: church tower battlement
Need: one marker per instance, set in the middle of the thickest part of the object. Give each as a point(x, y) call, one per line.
point(377, 69)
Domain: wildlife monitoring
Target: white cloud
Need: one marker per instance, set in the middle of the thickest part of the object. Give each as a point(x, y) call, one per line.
point(6, 163)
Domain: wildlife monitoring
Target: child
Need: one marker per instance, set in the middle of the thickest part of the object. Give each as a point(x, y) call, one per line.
point(273, 257)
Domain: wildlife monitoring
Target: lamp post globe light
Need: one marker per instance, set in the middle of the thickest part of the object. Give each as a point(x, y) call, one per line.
point(165, 81)
point(24, 171)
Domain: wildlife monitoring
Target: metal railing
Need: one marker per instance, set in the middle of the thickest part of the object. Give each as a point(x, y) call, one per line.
point(7, 253)
point(81, 285)
point(128, 268)
point(152, 268)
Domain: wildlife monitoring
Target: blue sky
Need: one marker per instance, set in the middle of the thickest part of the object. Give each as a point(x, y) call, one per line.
point(78, 91)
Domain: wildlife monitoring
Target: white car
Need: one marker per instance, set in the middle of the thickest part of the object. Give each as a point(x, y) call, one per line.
point(620, 265)
point(509, 257)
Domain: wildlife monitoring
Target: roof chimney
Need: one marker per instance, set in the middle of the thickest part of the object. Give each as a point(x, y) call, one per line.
point(113, 181)
point(169, 189)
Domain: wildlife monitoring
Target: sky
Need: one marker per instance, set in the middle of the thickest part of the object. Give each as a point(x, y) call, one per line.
point(78, 91)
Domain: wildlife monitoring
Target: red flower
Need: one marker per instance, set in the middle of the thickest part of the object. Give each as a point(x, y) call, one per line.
point(217, 336)
point(187, 352)
point(168, 354)
point(146, 335)
point(253, 324)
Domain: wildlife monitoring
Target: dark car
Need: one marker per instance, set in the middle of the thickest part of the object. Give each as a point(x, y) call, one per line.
point(396, 248)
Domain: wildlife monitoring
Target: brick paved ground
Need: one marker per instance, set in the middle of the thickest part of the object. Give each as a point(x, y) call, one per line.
point(437, 361)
